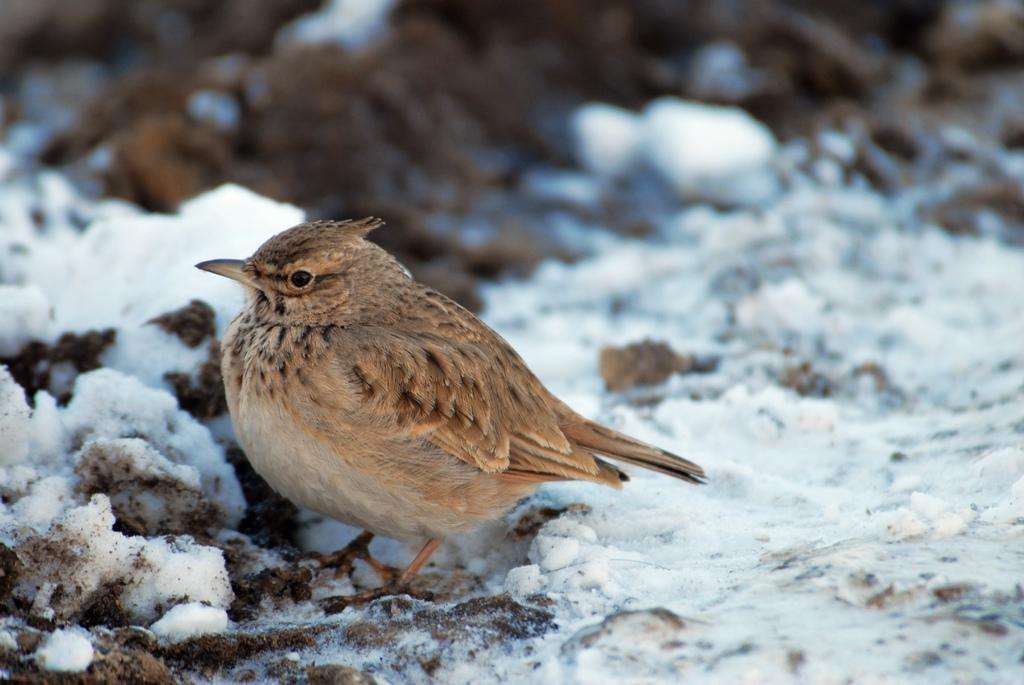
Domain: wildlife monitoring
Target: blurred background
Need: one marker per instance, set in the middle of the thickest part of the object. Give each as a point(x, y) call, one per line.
point(459, 120)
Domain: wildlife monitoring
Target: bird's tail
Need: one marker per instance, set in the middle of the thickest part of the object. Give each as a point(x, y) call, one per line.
point(614, 445)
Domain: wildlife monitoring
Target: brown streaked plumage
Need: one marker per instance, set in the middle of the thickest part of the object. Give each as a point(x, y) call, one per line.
point(366, 396)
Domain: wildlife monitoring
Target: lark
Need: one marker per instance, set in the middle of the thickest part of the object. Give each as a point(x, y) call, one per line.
point(368, 397)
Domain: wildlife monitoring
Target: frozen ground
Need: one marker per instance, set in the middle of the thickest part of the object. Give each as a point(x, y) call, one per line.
point(863, 434)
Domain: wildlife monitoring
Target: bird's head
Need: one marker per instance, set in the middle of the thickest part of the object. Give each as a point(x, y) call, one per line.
point(312, 271)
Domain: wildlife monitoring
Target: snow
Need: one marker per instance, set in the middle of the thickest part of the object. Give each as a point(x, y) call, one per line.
point(799, 504)
point(707, 152)
point(608, 138)
point(66, 650)
point(720, 153)
point(189, 620)
point(351, 23)
point(26, 313)
point(780, 307)
point(80, 551)
point(832, 526)
point(162, 466)
point(15, 420)
point(109, 404)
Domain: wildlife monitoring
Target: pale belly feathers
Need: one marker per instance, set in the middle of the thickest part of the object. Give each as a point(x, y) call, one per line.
point(409, 490)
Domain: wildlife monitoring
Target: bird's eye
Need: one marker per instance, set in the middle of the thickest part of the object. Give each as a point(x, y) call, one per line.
point(300, 279)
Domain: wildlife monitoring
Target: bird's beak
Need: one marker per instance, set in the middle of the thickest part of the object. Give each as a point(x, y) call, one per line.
point(229, 268)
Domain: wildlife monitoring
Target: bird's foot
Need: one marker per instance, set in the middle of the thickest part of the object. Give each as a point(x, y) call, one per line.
point(343, 560)
point(389, 574)
point(337, 604)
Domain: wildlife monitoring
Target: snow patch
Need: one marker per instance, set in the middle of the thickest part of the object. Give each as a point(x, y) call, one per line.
point(65, 650)
point(24, 316)
point(608, 138)
point(190, 620)
point(710, 152)
point(15, 420)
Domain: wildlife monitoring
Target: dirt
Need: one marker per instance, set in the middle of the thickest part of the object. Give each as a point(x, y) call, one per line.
point(977, 35)
point(292, 583)
point(210, 654)
point(334, 674)
point(105, 609)
point(201, 394)
point(191, 324)
point(453, 631)
point(32, 367)
point(648, 362)
point(10, 569)
point(806, 381)
point(953, 592)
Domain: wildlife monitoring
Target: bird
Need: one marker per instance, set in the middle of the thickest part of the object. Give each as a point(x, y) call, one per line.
point(361, 394)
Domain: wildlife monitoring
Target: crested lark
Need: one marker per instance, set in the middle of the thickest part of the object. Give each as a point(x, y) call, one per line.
point(365, 396)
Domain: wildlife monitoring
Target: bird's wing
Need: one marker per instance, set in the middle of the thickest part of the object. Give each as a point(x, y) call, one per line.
point(485, 408)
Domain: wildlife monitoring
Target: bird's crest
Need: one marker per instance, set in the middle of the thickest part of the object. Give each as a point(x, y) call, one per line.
point(362, 227)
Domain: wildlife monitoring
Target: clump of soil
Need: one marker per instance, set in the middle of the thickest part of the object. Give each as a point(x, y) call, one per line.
point(806, 381)
point(10, 569)
point(210, 654)
point(290, 582)
point(192, 323)
point(105, 609)
point(123, 655)
point(202, 394)
point(33, 367)
point(647, 362)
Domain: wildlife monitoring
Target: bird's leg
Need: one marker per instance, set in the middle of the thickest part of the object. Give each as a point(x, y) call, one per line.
point(343, 560)
point(333, 605)
point(418, 561)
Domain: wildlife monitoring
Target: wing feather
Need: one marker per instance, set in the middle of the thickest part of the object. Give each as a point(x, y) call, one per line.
point(447, 393)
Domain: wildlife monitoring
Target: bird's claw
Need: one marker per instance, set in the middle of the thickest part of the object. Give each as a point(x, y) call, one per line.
point(343, 560)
